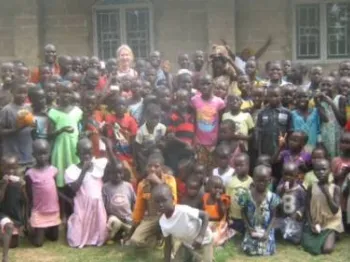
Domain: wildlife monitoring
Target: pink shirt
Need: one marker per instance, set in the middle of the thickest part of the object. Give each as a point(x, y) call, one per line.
point(207, 119)
point(45, 197)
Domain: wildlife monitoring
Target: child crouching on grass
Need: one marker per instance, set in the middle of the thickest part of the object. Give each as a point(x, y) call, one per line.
point(184, 223)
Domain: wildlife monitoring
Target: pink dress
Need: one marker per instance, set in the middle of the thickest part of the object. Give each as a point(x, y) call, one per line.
point(87, 226)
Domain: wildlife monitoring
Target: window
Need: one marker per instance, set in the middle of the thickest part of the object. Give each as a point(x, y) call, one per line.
point(115, 24)
point(316, 23)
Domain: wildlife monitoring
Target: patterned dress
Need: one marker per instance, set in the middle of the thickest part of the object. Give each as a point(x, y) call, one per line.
point(259, 218)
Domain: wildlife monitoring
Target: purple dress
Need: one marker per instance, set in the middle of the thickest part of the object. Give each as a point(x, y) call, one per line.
point(88, 223)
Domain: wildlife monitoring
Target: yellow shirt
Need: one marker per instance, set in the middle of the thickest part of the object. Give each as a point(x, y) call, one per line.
point(232, 189)
point(310, 179)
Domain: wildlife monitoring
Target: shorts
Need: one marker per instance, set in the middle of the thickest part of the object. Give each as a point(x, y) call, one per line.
point(4, 221)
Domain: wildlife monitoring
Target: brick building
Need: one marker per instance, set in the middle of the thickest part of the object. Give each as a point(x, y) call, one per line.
point(314, 31)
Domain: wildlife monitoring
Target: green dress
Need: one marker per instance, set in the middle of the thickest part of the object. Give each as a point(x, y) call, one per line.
point(65, 145)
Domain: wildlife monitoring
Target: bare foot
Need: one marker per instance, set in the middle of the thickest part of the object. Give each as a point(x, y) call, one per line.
point(5, 259)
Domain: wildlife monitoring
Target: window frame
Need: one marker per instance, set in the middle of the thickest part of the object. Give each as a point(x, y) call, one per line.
point(122, 10)
point(323, 31)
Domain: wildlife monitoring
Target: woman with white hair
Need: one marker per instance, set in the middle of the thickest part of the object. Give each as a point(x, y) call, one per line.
point(125, 61)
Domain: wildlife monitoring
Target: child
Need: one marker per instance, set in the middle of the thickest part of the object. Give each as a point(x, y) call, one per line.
point(251, 71)
point(195, 192)
point(42, 196)
point(164, 98)
point(51, 94)
point(308, 120)
point(310, 178)
point(22, 74)
point(287, 99)
point(323, 213)
point(12, 202)
point(44, 75)
point(136, 105)
point(272, 121)
point(257, 98)
point(243, 121)
point(344, 68)
point(145, 216)
point(240, 181)
point(315, 75)
point(275, 75)
point(118, 197)
point(223, 153)
point(16, 135)
point(183, 61)
point(221, 89)
point(76, 64)
point(87, 224)
point(244, 85)
point(287, 65)
point(7, 78)
point(184, 223)
point(63, 127)
point(293, 204)
point(148, 136)
point(92, 122)
point(216, 204)
point(38, 99)
point(258, 212)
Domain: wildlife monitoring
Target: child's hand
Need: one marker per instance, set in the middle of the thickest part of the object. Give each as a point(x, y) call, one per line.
point(106, 141)
point(87, 166)
point(153, 178)
point(282, 140)
point(67, 129)
point(197, 243)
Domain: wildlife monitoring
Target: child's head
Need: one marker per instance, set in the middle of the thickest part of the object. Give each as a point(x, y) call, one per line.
point(219, 65)
point(302, 98)
point(273, 96)
point(111, 65)
point(275, 71)
point(344, 143)
point(264, 160)
point(262, 178)
point(193, 184)
point(115, 174)
point(242, 165)
point(344, 85)
point(250, 68)
point(51, 92)
point(163, 199)
point(183, 61)
point(206, 86)
point(155, 59)
point(74, 78)
point(136, 88)
point(244, 85)
point(151, 75)
point(200, 171)
point(287, 65)
point(234, 103)
point(76, 64)
point(84, 61)
point(20, 93)
point(227, 130)
point(222, 154)
point(317, 154)
point(41, 152)
point(297, 73)
point(216, 186)
point(140, 66)
point(65, 62)
point(221, 88)
point(287, 95)
point(89, 102)
point(44, 73)
point(164, 97)
point(198, 59)
point(7, 72)
point(152, 115)
point(344, 68)
point(126, 82)
point(66, 92)
point(258, 96)
point(9, 165)
point(22, 74)
point(91, 78)
point(290, 172)
point(297, 140)
point(38, 98)
point(55, 79)
point(76, 98)
point(322, 170)
point(120, 106)
point(182, 99)
point(184, 81)
point(146, 88)
point(94, 62)
point(84, 150)
point(327, 86)
point(155, 164)
point(315, 74)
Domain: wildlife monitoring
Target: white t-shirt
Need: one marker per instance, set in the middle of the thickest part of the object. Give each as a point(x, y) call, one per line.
point(144, 137)
point(240, 63)
point(226, 177)
point(184, 225)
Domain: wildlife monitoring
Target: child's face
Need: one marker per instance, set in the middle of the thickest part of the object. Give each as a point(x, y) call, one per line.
point(41, 153)
point(66, 64)
point(66, 95)
point(261, 181)
point(257, 96)
point(185, 82)
point(155, 59)
point(94, 63)
point(244, 84)
point(45, 74)
point(316, 75)
point(39, 99)
point(345, 142)
point(51, 92)
point(184, 61)
point(193, 188)
point(199, 59)
point(154, 166)
point(182, 100)
point(250, 68)
point(302, 99)
point(226, 132)
point(140, 66)
point(275, 72)
point(151, 76)
point(287, 66)
point(10, 166)
point(322, 170)
point(164, 202)
point(90, 104)
point(326, 86)
point(22, 74)
point(76, 64)
point(290, 173)
point(344, 69)
point(120, 107)
point(221, 89)
point(287, 95)
point(111, 66)
point(344, 86)
point(200, 172)
point(295, 141)
point(7, 73)
point(206, 86)
point(85, 152)
point(164, 96)
point(234, 103)
point(241, 166)
point(20, 94)
point(274, 97)
point(117, 175)
point(222, 158)
point(92, 78)
point(153, 119)
point(317, 155)
point(217, 188)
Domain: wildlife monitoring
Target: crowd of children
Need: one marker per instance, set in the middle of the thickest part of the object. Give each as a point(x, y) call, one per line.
point(140, 156)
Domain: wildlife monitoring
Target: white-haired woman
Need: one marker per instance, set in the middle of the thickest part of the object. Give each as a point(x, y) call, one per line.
point(125, 61)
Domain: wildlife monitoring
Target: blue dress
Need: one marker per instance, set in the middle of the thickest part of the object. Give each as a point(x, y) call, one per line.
point(259, 218)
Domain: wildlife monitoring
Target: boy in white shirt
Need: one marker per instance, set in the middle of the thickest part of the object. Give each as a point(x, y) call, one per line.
point(186, 224)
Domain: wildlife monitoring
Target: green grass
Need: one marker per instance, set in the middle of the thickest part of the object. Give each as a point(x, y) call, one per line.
point(60, 252)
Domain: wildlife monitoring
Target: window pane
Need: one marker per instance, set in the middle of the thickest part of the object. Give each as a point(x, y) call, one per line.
point(138, 31)
point(108, 33)
point(308, 31)
point(338, 30)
